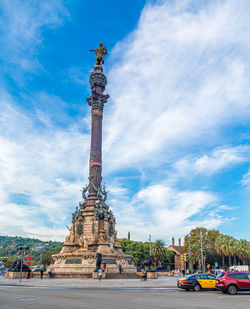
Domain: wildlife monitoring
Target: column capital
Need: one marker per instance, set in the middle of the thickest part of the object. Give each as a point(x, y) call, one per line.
point(98, 81)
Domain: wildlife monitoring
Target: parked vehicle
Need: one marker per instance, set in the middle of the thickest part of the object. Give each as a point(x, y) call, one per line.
point(197, 282)
point(35, 268)
point(239, 268)
point(162, 268)
point(232, 282)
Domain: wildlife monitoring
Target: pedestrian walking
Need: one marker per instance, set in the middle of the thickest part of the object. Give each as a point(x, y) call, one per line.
point(120, 268)
point(100, 274)
point(41, 273)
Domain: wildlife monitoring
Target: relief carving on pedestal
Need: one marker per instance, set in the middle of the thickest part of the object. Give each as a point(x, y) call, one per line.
point(71, 237)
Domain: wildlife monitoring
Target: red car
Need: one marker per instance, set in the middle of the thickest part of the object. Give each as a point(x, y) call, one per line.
point(232, 282)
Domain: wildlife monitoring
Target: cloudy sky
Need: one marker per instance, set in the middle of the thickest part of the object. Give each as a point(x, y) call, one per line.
point(176, 127)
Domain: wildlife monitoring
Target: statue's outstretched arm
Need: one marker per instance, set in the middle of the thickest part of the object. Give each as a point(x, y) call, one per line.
point(92, 49)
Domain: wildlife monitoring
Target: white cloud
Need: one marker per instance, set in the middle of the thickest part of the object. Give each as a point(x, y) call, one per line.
point(219, 160)
point(44, 164)
point(165, 212)
point(178, 86)
point(177, 81)
point(246, 179)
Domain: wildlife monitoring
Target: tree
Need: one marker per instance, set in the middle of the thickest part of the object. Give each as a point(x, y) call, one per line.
point(234, 244)
point(244, 251)
point(137, 249)
point(158, 249)
point(220, 248)
point(168, 256)
point(229, 248)
point(192, 242)
point(47, 255)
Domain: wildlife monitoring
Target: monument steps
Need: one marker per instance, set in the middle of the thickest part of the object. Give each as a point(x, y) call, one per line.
point(88, 276)
point(122, 276)
point(63, 275)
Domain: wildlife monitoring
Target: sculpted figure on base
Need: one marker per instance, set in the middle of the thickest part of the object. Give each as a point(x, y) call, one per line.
point(98, 261)
point(100, 54)
point(70, 237)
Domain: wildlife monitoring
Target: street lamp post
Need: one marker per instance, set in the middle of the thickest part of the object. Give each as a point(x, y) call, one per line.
point(202, 262)
point(189, 255)
point(150, 245)
point(22, 250)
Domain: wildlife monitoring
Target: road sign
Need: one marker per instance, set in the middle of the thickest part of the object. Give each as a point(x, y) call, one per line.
point(186, 257)
point(216, 264)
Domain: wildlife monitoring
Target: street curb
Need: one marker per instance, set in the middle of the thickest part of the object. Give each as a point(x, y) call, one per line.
point(93, 287)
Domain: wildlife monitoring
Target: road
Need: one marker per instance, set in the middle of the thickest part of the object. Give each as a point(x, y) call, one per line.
point(120, 298)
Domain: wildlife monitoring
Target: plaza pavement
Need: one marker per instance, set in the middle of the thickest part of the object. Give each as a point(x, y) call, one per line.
point(160, 282)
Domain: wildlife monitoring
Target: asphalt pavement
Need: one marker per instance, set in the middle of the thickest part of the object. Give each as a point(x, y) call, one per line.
point(15, 297)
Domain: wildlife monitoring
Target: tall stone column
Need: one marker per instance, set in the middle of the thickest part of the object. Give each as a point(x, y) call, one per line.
point(98, 82)
point(93, 230)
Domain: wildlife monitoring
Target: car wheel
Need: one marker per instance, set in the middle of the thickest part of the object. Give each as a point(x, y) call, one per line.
point(197, 287)
point(232, 289)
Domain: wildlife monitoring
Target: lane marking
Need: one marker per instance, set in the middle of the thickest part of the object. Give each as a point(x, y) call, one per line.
point(25, 299)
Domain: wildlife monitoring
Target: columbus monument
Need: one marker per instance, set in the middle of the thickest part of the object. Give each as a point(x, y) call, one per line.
point(92, 239)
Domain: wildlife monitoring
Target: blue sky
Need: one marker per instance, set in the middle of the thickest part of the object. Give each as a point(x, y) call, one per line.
point(176, 127)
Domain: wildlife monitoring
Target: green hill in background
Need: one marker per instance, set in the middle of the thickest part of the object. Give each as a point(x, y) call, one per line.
point(10, 245)
point(39, 250)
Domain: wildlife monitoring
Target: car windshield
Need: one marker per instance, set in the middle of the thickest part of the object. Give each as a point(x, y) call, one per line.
point(189, 276)
point(221, 275)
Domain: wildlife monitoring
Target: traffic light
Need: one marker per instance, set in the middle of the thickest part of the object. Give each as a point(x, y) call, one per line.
point(184, 257)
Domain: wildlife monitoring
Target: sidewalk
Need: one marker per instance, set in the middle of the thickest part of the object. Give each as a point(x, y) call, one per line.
point(161, 282)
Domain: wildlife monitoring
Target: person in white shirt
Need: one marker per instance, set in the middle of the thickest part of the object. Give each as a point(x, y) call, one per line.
point(100, 273)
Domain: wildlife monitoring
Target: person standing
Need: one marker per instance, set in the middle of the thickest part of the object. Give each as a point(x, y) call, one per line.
point(50, 273)
point(100, 273)
point(53, 273)
point(41, 273)
point(143, 274)
point(28, 274)
point(120, 268)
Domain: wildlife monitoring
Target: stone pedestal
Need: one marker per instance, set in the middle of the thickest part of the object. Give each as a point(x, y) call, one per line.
point(150, 275)
point(15, 275)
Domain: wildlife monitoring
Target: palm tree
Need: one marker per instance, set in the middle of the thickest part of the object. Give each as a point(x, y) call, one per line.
point(234, 244)
point(195, 255)
point(220, 247)
point(229, 249)
point(244, 250)
point(159, 249)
